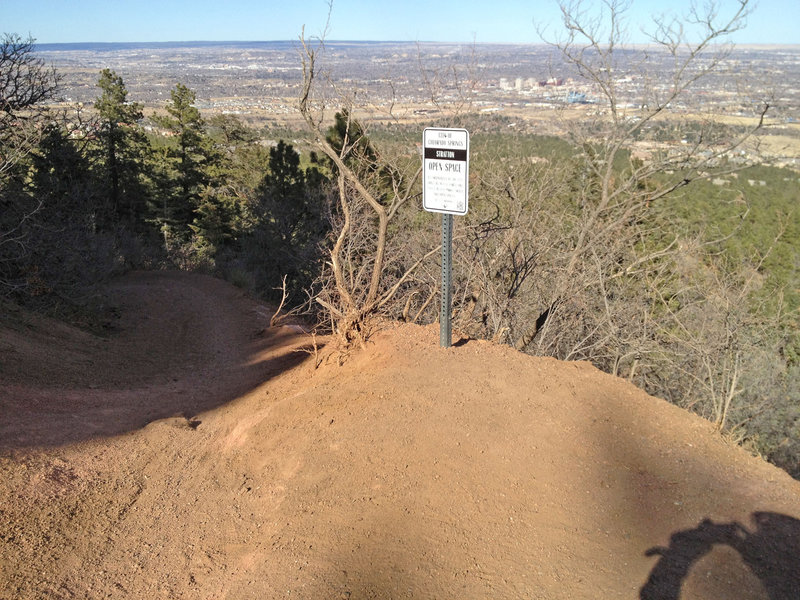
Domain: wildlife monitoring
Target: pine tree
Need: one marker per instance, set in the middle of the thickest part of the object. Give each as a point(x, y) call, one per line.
point(124, 148)
point(191, 157)
point(348, 138)
point(61, 177)
point(285, 242)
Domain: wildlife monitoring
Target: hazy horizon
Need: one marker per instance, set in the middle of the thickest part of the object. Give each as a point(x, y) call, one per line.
point(447, 21)
point(333, 42)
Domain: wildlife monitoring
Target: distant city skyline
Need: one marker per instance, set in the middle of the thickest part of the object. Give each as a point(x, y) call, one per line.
point(497, 21)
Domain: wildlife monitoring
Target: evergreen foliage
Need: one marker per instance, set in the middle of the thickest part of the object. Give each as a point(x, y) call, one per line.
point(123, 150)
point(290, 221)
point(185, 167)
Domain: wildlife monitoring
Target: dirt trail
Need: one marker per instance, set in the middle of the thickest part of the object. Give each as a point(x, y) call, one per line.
point(182, 344)
point(194, 454)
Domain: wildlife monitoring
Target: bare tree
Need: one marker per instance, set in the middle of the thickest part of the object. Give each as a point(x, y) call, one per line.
point(718, 342)
point(26, 83)
point(615, 188)
point(371, 188)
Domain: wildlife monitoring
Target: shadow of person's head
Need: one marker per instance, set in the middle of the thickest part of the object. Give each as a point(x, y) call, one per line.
point(772, 552)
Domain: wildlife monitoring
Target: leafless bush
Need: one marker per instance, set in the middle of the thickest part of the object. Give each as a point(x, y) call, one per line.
point(361, 278)
point(26, 83)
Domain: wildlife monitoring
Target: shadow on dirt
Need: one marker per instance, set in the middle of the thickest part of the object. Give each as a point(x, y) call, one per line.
point(772, 552)
point(664, 477)
point(53, 418)
point(185, 344)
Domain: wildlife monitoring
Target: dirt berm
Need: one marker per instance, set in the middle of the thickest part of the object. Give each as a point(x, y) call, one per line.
point(193, 452)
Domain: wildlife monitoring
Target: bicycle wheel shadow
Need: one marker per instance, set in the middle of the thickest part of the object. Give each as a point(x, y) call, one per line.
point(772, 552)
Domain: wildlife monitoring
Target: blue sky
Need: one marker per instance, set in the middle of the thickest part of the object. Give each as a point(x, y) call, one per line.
point(485, 21)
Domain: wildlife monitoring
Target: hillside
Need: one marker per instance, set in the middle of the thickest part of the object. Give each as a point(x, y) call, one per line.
point(194, 452)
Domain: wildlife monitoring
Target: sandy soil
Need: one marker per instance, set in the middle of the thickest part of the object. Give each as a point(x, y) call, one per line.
point(196, 453)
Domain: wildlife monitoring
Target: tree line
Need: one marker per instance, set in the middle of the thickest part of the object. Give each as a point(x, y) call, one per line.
point(86, 195)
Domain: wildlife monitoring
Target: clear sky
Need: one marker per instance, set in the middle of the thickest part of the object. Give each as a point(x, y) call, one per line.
point(484, 21)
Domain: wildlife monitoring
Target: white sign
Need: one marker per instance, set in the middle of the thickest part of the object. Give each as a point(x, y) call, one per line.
point(445, 166)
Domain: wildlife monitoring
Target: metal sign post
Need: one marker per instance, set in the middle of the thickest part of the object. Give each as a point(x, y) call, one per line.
point(445, 189)
point(445, 326)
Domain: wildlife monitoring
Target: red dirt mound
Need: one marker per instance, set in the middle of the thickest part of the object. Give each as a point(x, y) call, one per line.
point(195, 454)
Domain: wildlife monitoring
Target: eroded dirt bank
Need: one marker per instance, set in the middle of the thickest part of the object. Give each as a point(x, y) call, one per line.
point(195, 454)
